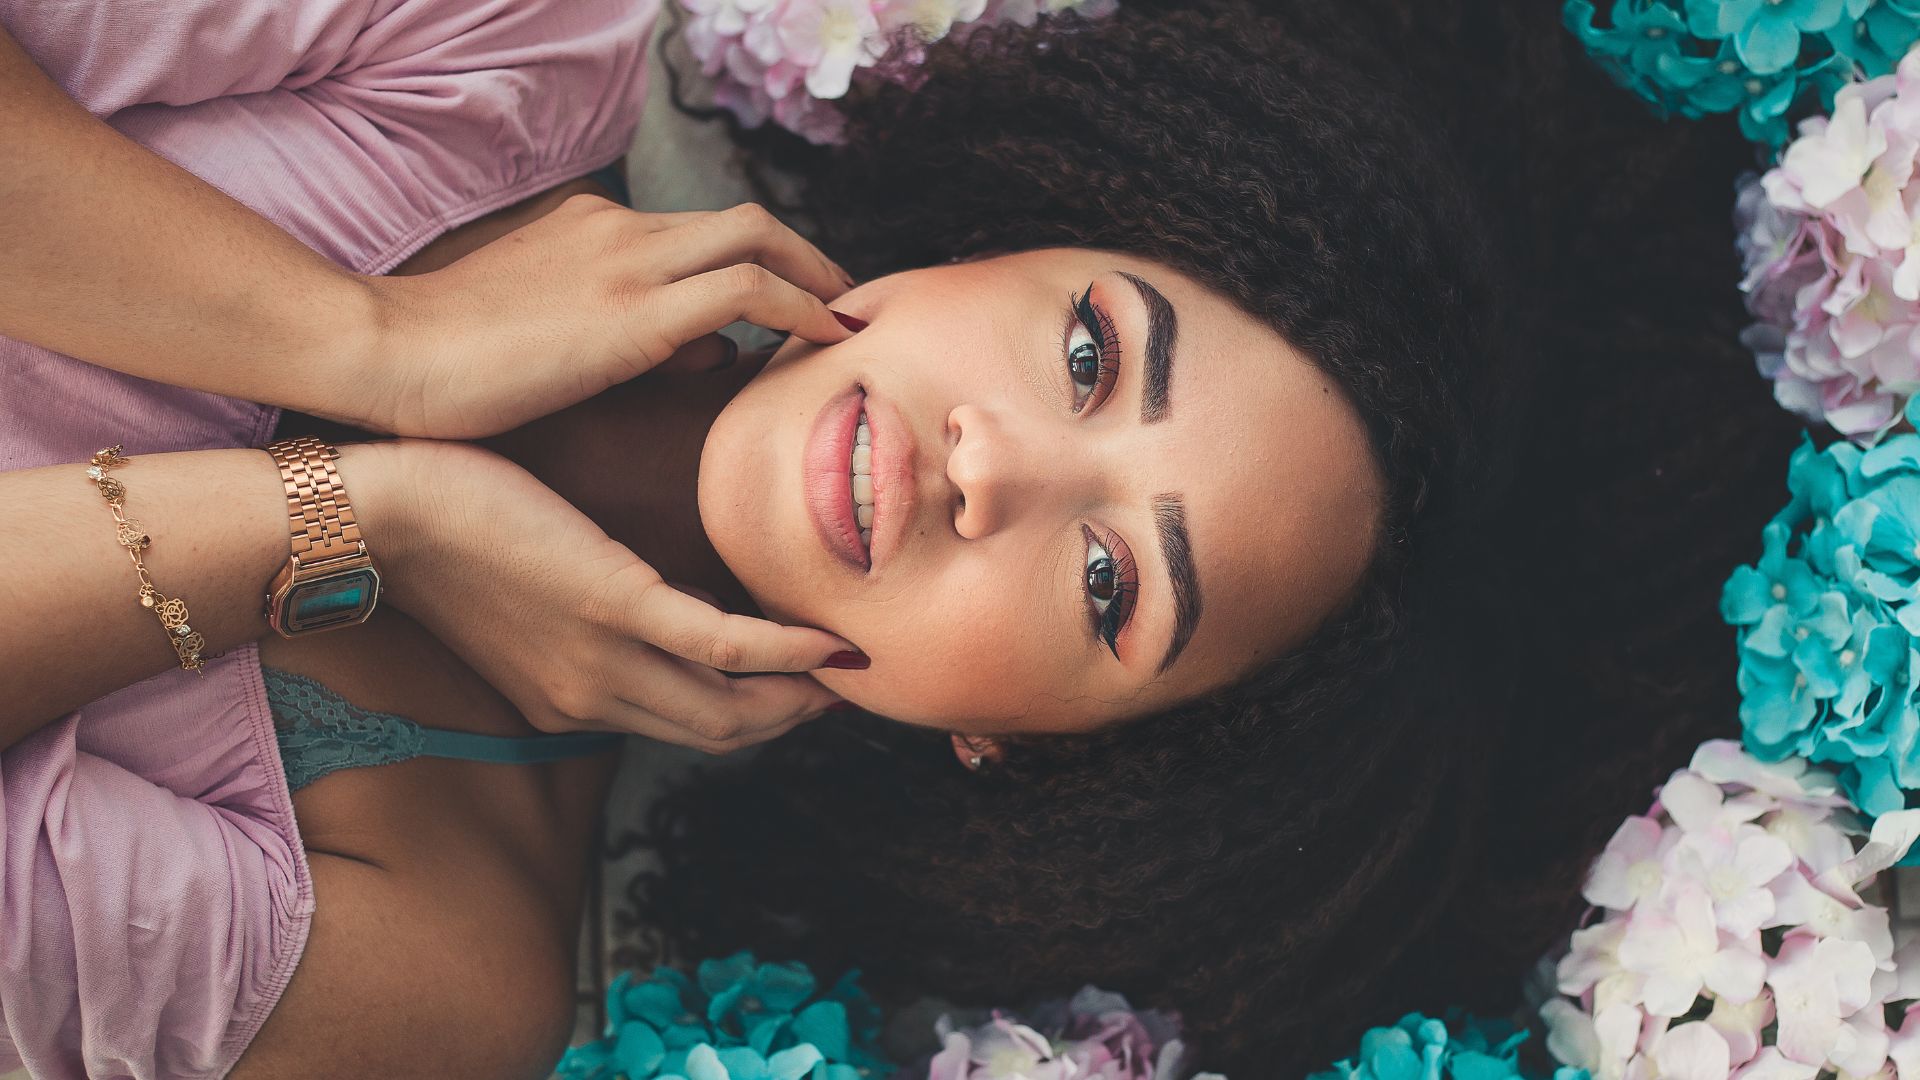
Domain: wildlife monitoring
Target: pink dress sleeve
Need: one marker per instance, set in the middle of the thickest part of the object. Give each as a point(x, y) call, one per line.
point(363, 127)
point(154, 894)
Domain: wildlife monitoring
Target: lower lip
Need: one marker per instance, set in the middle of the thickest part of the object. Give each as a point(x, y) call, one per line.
point(827, 481)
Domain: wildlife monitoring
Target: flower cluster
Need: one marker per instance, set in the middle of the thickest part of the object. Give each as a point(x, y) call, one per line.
point(1831, 242)
point(1757, 57)
point(1827, 620)
point(1424, 1048)
point(784, 60)
point(1730, 936)
point(735, 1020)
point(1094, 1036)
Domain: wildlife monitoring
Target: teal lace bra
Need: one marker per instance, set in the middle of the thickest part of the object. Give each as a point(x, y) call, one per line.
point(321, 732)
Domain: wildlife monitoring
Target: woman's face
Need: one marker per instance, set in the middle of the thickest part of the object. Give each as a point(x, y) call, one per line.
point(1096, 489)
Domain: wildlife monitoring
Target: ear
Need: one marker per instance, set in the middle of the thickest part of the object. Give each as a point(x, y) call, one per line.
point(973, 750)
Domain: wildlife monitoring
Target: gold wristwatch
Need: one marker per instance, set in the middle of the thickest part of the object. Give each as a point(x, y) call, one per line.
point(329, 580)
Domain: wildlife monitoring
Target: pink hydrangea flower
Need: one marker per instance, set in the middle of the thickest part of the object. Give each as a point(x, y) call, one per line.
point(1734, 937)
point(786, 61)
point(1095, 1035)
point(1629, 871)
point(1831, 243)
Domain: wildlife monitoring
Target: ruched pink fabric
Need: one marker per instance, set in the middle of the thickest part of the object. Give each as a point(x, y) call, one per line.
point(154, 894)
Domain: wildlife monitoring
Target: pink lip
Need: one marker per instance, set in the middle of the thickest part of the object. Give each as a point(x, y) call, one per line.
point(893, 488)
point(826, 481)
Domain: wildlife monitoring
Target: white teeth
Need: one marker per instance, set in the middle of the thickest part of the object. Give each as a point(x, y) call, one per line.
point(861, 466)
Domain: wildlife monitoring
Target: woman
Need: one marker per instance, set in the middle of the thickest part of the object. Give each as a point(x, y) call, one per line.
point(1138, 207)
point(1399, 814)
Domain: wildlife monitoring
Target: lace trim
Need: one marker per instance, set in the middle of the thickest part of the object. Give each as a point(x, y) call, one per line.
point(321, 732)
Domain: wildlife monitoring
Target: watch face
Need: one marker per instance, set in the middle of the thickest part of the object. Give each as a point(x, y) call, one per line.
point(348, 598)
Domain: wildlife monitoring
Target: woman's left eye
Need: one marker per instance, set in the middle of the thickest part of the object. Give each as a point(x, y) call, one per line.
point(1093, 353)
point(1111, 585)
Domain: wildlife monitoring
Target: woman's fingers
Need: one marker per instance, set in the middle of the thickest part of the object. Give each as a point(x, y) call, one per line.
point(709, 352)
point(684, 626)
point(675, 701)
point(747, 234)
point(742, 292)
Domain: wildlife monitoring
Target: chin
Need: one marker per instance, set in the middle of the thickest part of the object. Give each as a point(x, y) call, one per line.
point(741, 513)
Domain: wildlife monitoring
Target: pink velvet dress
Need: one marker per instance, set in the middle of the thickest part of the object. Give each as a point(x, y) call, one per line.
point(154, 895)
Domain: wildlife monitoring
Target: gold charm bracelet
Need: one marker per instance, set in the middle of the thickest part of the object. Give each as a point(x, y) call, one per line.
point(170, 610)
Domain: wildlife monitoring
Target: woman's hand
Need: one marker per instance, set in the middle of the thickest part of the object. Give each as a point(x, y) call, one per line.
point(571, 626)
point(582, 299)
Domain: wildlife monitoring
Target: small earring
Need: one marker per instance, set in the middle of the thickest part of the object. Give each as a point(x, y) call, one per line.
point(973, 763)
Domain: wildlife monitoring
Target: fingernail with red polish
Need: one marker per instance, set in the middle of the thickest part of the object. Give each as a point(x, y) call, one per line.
point(851, 323)
point(842, 706)
point(849, 661)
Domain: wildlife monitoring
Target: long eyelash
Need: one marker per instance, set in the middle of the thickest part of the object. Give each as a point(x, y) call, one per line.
point(1097, 322)
point(1108, 624)
point(1100, 325)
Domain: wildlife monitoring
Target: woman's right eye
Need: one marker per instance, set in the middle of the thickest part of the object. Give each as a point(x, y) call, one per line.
point(1093, 353)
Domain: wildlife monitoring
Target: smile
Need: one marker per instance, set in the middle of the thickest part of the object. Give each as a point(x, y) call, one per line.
point(856, 477)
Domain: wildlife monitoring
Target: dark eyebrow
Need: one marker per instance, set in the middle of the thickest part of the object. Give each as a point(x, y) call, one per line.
point(1162, 331)
point(1170, 521)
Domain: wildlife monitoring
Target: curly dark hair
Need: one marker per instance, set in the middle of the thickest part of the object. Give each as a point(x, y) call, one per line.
point(1524, 283)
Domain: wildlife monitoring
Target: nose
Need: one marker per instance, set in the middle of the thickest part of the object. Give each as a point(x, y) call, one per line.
point(994, 473)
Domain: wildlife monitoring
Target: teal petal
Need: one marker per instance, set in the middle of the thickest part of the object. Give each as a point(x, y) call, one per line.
point(1389, 1055)
point(724, 1001)
point(1471, 1065)
point(617, 1011)
point(824, 1024)
point(1718, 18)
point(743, 1064)
point(685, 1036)
point(1768, 46)
point(1747, 596)
point(590, 1061)
point(783, 987)
point(766, 1033)
point(717, 975)
point(703, 1063)
point(657, 1002)
point(794, 1063)
point(638, 1050)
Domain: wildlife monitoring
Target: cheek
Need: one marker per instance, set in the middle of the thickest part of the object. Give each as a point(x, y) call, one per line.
point(975, 659)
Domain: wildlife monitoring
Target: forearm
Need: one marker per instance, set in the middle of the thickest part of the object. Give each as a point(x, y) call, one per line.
point(110, 253)
point(74, 629)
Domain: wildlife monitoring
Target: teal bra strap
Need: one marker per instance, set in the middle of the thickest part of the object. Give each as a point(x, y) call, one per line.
point(512, 750)
point(321, 732)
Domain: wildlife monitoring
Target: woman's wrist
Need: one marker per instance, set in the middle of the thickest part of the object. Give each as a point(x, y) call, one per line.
point(391, 502)
point(349, 354)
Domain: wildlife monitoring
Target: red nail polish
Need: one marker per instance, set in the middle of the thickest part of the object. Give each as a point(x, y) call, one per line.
point(841, 706)
point(851, 323)
point(849, 661)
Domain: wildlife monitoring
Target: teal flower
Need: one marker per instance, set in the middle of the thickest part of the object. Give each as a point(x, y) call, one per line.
point(1697, 86)
point(748, 1020)
point(1875, 38)
point(1828, 619)
point(744, 1063)
point(751, 1004)
point(1423, 1048)
point(1763, 60)
point(1765, 33)
point(1642, 30)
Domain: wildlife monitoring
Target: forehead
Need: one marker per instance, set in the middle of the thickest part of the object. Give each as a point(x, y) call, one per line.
point(1271, 462)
